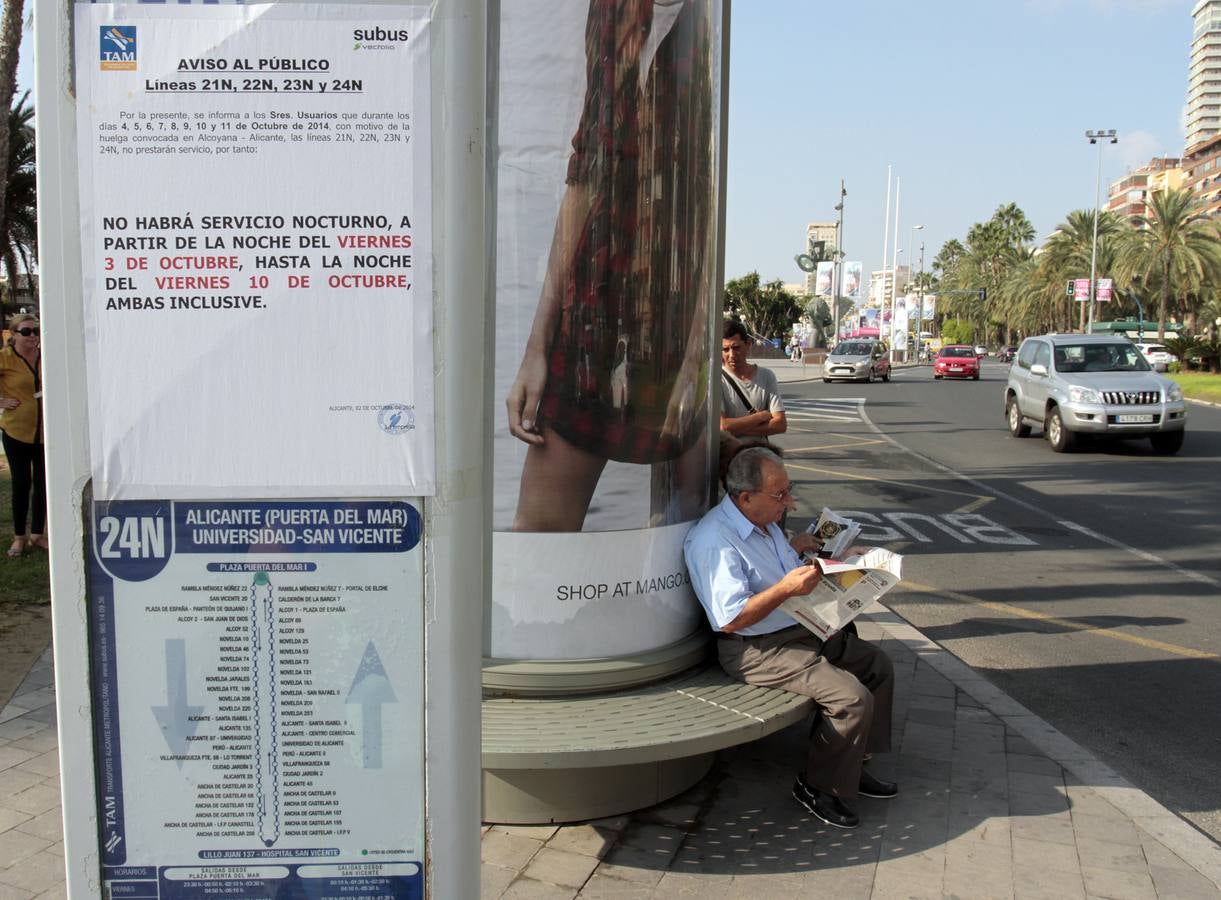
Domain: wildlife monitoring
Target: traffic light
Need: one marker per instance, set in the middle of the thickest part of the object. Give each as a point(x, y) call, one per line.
point(983, 294)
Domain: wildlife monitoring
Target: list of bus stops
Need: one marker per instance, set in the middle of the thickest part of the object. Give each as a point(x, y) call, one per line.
point(258, 704)
point(256, 214)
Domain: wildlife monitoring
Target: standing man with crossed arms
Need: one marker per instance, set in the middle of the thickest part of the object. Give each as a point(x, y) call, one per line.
point(751, 408)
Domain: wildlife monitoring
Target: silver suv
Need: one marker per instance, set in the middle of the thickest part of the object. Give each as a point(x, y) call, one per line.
point(1074, 384)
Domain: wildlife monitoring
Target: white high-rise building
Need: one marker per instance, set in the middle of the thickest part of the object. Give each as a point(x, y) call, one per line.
point(1204, 73)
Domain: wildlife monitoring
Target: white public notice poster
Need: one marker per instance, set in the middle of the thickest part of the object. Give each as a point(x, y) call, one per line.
point(256, 234)
point(258, 710)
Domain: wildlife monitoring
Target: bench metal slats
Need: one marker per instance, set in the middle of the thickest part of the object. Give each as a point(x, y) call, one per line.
point(690, 714)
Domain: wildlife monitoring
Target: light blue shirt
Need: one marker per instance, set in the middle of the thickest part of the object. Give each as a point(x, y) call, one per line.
point(730, 560)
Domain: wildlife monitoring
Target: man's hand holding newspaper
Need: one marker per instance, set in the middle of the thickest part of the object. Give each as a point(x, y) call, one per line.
point(847, 586)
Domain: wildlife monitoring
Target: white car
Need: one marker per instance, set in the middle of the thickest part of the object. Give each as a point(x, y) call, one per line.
point(1157, 356)
point(981, 351)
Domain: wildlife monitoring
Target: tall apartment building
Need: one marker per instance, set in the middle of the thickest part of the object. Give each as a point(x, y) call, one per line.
point(1129, 196)
point(1203, 150)
point(818, 231)
point(881, 284)
point(1204, 73)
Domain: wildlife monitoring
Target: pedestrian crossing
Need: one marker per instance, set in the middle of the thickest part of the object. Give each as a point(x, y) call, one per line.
point(824, 409)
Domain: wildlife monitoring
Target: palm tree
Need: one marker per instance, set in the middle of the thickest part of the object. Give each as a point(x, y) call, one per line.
point(10, 43)
point(1177, 250)
point(1069, 251)
point(19, 220)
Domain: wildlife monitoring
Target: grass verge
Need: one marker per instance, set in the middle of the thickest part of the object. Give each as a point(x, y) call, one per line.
point(26, 579)
point(1199, 385)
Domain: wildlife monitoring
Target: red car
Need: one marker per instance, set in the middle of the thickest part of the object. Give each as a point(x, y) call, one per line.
point(956, 361)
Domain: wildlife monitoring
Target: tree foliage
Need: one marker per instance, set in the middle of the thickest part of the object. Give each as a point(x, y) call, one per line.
point(10, 44)
point(767, 310)
point(1177, 252)
point(19, 219)
point(1173, 255)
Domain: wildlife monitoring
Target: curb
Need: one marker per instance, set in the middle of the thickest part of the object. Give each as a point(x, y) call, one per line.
point(1194, 847)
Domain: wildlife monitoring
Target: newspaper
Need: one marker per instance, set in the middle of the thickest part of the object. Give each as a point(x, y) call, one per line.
point(836, 533)
point(846, 588)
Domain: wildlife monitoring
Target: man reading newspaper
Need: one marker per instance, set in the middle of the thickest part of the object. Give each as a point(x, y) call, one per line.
point(743, 569)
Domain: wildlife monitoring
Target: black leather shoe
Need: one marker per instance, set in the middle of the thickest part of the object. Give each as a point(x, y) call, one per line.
point(825, 807)
point(876, 787)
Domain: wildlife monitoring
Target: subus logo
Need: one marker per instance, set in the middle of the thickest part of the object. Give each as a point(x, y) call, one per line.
point(117, 48)
point(378, 35)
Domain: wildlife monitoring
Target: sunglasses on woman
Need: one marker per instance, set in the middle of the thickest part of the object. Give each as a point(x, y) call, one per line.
point(27, 332)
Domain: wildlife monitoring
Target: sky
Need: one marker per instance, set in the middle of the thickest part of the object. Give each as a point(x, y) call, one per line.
point(974, 103)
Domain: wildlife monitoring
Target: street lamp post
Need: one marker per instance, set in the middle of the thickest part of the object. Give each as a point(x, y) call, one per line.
point(1099, 138)
point(837, 280)
point(911, 260)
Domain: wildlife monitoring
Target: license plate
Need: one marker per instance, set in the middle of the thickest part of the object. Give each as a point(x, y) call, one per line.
point(955, 368)
point(1134, 419)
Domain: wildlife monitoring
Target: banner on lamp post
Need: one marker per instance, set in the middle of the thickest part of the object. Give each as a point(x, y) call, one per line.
point(1081, 289)
point(1104, 290)
point(852, 280)
point(823, 279)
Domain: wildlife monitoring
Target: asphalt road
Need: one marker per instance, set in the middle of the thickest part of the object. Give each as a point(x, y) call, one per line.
point(1086, 585)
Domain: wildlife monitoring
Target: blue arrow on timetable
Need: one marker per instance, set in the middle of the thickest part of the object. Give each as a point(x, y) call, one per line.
point(370, 689)
point(176, 718)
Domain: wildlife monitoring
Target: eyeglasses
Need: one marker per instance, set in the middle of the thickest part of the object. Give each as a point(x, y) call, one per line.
point(27, 332)
point(779, 495)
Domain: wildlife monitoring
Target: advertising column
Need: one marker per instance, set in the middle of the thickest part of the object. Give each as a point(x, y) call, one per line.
point(607, 210)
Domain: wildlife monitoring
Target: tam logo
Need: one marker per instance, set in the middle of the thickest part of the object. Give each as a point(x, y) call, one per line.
point(117, 48)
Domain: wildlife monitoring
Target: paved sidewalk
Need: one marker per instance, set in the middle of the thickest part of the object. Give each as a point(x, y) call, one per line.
point(31, 825)
point(993, 803)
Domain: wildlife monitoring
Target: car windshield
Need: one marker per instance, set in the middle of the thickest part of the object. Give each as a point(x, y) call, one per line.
point(958, 351)
point(854, 348)
point(1099, 358)
point(1154, 348)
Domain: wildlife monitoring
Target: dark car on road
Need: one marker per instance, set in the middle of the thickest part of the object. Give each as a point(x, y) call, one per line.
point(1007, 354)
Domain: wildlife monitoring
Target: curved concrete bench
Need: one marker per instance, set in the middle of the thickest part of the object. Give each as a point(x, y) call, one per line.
point(565, 759)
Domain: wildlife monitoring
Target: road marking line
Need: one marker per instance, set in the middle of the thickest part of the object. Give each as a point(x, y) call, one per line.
point(906, 484)
point(976, 504)
point(1023, 613)
point(858, 443)
point(1042, 513)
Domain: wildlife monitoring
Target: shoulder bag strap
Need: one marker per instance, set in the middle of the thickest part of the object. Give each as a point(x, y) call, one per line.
point(737, 389)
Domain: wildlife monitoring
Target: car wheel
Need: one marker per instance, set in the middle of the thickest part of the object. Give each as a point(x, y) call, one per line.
point(886, 377)
point(1061, 439)
point(976, 376)
point(826, 381)
point(1017, 427)
point(872, 376)
point(1167, 442)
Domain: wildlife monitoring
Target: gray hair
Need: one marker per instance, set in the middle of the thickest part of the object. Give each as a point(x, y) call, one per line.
point(746, 470)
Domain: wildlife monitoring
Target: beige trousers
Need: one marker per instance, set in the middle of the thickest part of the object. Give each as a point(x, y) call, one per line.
point(850, 679)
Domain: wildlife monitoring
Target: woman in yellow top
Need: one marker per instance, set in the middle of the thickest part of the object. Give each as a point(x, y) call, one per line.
point(21, 424)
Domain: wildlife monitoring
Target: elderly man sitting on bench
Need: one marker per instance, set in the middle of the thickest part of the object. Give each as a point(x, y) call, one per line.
point(742, 568)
